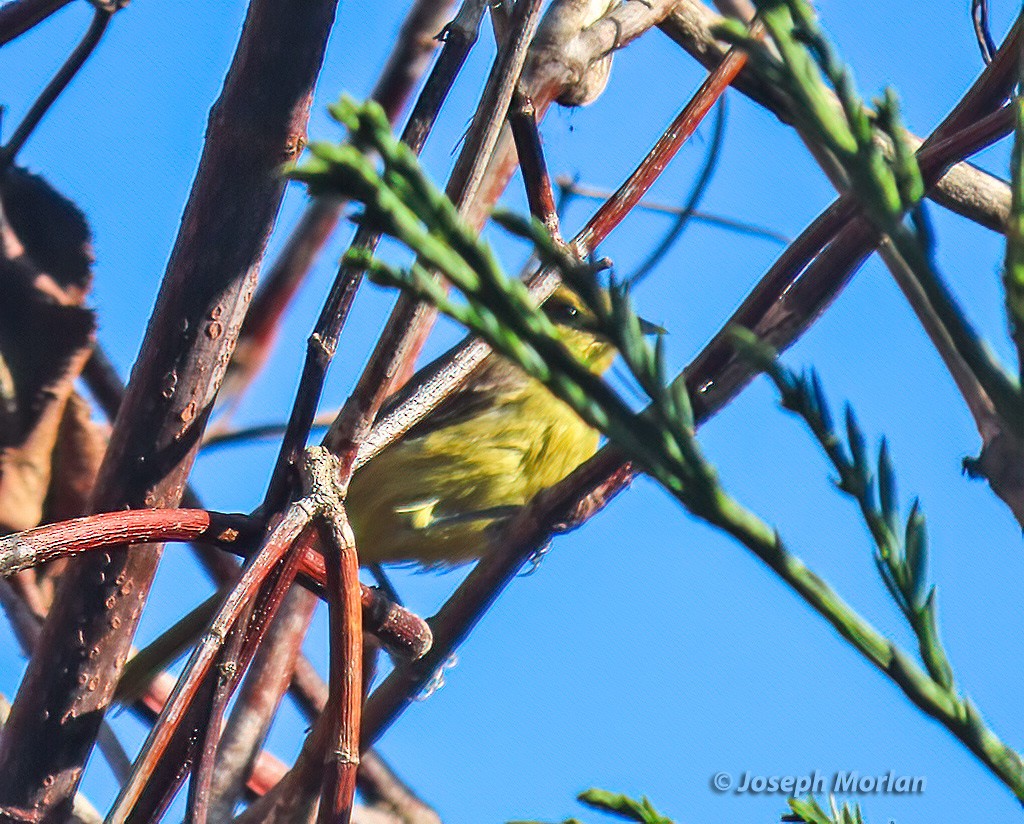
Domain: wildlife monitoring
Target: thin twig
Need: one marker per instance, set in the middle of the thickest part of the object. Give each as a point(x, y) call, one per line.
point(693, 200)
point(418, 38)
point(66, 73)
point(383, 790)
point(209, 724)
point(982, 31)
point(489, 116)
point(409, 323)
point(611, 213)
point(522, 119)
point(1013, 269)
point(260, 695)
point(460, 38)
point(214, 440)
point(570, 187)
point(345, 697)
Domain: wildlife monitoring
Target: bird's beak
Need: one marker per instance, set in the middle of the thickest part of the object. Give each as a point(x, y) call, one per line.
point(649, 328)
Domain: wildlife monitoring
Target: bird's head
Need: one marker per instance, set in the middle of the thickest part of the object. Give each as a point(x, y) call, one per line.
point(579, 329)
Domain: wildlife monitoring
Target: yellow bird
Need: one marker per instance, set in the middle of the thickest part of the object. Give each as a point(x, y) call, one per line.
point(430, 497)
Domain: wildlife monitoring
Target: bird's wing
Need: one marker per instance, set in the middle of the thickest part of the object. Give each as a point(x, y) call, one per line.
point(464, 405)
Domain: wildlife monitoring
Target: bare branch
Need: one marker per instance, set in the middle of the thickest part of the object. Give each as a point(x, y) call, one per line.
point(258, 699)
point(258, 123)
point(23, 550)
point(461, 35)
point(66, 73)
point(963, 189)
point(410, 56)
point(410, 321)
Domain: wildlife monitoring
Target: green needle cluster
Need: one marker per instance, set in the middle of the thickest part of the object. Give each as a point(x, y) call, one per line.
point(800, 61)
point(400, 201)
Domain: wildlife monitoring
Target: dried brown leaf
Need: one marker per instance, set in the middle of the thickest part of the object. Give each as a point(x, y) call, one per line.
point(46, 337)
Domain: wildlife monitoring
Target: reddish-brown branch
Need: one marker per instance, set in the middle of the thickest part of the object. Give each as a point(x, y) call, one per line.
point(630, 193)
point(208, 724)
point(258, 123)
point(66, 539)
point(258, 699)
point(18, 16)
point(401, 630)
point(175, 714)
point(522, 119)
point(345, 696)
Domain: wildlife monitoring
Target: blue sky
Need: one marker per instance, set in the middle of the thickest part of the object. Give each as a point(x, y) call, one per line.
point(648, 652)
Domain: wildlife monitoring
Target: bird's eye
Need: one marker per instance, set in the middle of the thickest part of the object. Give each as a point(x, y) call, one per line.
point(562, 312)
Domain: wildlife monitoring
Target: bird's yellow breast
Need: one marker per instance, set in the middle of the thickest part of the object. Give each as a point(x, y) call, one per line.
point(430, 498)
